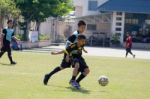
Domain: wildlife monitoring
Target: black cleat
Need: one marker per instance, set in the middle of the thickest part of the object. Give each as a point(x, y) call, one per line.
point(46, 78)
point(13, 63)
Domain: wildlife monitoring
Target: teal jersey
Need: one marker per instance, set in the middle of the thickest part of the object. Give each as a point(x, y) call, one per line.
point(8, 34)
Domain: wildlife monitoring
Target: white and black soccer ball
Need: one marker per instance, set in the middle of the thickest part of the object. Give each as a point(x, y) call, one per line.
point(103, 80)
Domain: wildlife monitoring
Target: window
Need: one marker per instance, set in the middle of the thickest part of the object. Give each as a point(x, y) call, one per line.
point(118, 18)
point(92, 5)
point(91, 27)
point(132, 21)
point(147, 22)
point(118, 29)
point(118, 24)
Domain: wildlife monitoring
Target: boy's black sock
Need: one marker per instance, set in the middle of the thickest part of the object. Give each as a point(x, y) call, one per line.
point(57, 69)
point(73, 78)
point(81, 77)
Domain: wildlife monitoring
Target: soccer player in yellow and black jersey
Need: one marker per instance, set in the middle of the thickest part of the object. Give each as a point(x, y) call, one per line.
point(74, 52)
point(78, 62)
point(65, 62)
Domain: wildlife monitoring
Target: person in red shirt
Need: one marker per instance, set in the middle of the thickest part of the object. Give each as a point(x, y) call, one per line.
point(128, 45)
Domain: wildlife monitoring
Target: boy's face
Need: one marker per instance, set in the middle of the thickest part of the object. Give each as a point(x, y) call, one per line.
point(10, 24)
point(81, 42)
point(82, 28)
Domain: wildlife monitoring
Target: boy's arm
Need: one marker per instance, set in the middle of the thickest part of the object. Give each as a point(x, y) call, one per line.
point(66, 51)
point(15, 38)
point(85, 50)
point(58, 52)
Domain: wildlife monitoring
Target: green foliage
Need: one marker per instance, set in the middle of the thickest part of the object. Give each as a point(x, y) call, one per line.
point(7, 8)
point(39, 10)
point(20, 36)
point(43, 37)
point(115, 39)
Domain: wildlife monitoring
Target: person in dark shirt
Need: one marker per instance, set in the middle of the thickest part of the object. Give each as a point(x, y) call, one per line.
point(74, 36)
point(128, 45)
point(78, 62)
point(72, 52)
point(7, 36)
point(65, 61)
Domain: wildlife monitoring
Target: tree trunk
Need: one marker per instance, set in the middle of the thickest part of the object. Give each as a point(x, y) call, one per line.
point(1, 21)
point(38, 29)
point(26, 30)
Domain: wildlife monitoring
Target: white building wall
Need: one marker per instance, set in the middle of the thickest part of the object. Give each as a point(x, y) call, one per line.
point(84, 5)
point(114, 25)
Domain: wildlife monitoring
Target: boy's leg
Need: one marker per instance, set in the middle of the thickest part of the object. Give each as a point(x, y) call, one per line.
point(127, 51)
point(47, 76)
point(74, 75)
point(84, 71)
point(75, 71)
point(10, 56)
point(64, 65)
point(83, 75)
point(131, 53)
point(2, 52)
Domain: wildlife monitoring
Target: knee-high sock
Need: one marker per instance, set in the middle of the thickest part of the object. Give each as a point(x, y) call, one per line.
point(81, 77)
point(57, 69)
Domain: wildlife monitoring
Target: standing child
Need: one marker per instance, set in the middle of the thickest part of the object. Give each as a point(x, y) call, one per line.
point(128, 45)
point(7, 36)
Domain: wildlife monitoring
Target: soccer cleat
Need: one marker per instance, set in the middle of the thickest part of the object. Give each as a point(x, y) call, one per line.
point(75, 84)
point(13, 63)
point(46, 78)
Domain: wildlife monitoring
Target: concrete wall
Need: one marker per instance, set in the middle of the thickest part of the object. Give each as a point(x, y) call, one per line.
point(26, 45)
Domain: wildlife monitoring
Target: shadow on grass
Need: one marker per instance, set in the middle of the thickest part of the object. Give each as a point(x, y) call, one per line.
point(4, 64)
point(81, 90)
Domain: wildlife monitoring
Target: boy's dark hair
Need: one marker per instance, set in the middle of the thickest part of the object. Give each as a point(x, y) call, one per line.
point(81, 22)
point(9, 21)
point(80, 37)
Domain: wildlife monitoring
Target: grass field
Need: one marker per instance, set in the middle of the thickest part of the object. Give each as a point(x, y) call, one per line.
point(129, 78)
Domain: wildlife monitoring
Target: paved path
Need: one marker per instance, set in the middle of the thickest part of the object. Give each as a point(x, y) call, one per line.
point(98, 51)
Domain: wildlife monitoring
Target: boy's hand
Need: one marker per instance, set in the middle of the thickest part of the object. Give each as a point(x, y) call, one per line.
point(86, 51)
point(53, 53)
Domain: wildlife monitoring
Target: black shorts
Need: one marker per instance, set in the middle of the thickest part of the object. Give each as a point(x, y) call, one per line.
point(128, 49)
point(6, 48)
point(81, 62)
point(65, 64)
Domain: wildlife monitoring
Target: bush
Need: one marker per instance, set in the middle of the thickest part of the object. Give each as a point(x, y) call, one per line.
point(115, 39)
point(20, 36)
point(43, 37)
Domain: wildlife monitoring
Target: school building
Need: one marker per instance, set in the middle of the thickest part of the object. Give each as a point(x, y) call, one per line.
point(108, 18)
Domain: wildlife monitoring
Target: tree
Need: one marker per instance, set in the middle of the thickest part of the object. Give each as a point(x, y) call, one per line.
point(39, 10)
point(7, 10)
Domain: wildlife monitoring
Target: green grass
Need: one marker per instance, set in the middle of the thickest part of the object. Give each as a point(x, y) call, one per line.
point(129, 78)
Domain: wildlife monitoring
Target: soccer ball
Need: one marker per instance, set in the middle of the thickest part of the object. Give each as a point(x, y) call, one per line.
point(103, 80)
